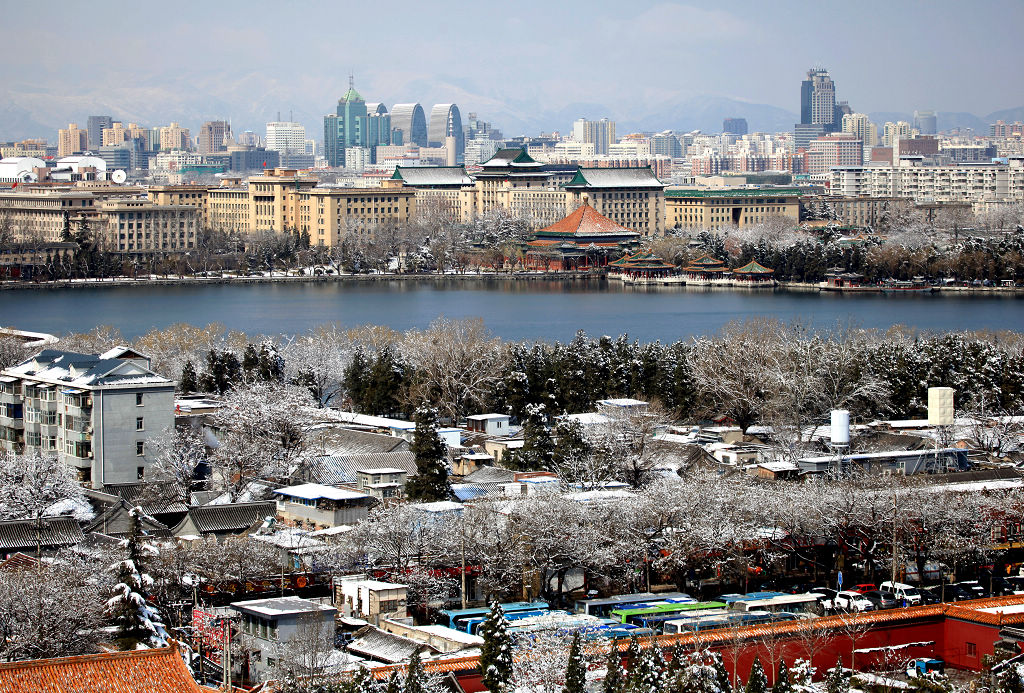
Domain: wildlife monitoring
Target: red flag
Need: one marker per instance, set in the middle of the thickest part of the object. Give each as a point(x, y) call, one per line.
point(264, 164)
point(14, 186)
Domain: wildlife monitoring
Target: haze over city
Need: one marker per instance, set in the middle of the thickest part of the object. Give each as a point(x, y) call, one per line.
point(526, 67)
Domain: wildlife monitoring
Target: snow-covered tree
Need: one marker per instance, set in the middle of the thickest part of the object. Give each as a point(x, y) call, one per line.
point(431, 480)
point(414, 675)
point(189, 380)
point(176, 456)
point(317, 361)
point(782, 681)
point(837, 680)
point(757, 682)
point(496, 651)
point(35, 485)
point(576, 669)
point(614, 678)
point(137, 620)
point(645, 673)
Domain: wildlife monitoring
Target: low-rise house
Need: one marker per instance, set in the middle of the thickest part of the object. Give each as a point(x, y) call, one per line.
point(498, 447)
point(224, 520)
point(341, 470)
point(469, 462)
point(46, 535)
point(382, 483)
point(439, 638)
point(905, 462)
point(272, 624)
point(491, 424)
point(382, 646)
point(322, 506)
point(372, 600)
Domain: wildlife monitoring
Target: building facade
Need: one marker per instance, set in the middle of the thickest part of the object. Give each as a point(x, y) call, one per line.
point(408, 124)
point(972, 183)
point(96, 412)
point(213, 136)
point(445, 122)
point(631, 197)
point(600, 133)
point(717, 209)
point(72, 140)
point(142, 226)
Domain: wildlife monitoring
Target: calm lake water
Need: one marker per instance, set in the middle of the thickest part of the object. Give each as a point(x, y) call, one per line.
point(540, 309)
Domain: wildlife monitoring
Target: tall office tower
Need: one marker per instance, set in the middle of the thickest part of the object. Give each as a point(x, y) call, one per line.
point(446, 121)
point(72, 140)
point(818, 99)
point(858, 125)
point(666, 144)
point(212, 137)
point(379, 125)
point(600, 133)
point(95, 125)
point(286, 137)
point(894, 131)
point(737, 126)
point(925, 122)
point(408, 124)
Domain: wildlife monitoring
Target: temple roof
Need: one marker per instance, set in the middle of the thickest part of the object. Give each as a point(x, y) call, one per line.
point(706, 263)
point(586, 222)
point(505, 158)
point(753, 267)
point(432, 176)
point(642, 261)
point(642, 177)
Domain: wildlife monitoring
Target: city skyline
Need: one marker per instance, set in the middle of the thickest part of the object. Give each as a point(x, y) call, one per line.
point(664, 66)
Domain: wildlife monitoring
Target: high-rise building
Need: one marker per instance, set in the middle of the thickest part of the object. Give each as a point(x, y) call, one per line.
point(95, 126)
point(378, 125)
point(925, 122)
point(72, 140)
point(286, 137)
point(446, 121)
point(737, 126)
point(347, 127)
point(829, 151)
point(818, 99)
point(894, 131)
point(666, 144)
point(213, 137)
point(600, 133)
point(858, 125)
point(803, 133)
point(174, 137)
point(118, 134)
point(408, 124)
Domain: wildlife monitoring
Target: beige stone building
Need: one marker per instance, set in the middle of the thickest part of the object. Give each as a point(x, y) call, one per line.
point(118, 134)
point(330, 215)
point(228, 209)
point(631, 197)
point(174, 137)
point(716, 209)
point(191, 195)
point(33, 148)
point(142, 226)
point(72, 140)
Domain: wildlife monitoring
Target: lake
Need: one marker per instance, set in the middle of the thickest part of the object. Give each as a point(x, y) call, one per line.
point(552, 309)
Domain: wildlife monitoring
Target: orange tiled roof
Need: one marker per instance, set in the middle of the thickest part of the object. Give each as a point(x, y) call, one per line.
point(150, 671)
point(586, 221)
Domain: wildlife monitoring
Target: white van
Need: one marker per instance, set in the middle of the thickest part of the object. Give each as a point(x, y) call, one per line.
point(904, 592)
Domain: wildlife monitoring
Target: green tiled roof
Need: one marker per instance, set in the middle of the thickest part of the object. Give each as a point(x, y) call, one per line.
point(772, 192)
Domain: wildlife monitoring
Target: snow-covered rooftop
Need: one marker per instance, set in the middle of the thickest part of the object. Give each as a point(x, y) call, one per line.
point(625, 402)
point(314, 491)
point(279, 606)
point(66, 368)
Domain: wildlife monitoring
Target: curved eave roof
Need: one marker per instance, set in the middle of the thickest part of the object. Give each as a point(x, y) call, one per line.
point(753, 267)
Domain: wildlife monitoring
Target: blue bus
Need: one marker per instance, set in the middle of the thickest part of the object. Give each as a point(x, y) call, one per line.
point(462, 619)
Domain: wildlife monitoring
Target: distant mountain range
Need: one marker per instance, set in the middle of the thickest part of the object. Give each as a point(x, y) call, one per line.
point(251, 101)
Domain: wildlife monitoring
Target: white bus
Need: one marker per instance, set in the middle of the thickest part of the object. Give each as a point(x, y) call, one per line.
point(807, 603)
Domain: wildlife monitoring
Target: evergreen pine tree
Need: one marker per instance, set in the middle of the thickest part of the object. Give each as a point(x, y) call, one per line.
point(250, 363)
point(645, 676)
point(189, 381)
point(431, 480)
point(1009, 680)
point(271, 364)
point(782, 682)
point(576, 669)
point(632, 655)
point(393, 684)
point(614, 680)
point(355, 380)
point(757, 682)
point(721, 674)
point(414, 675)
point(384, 384)
point(362, 681)
point(137, 621)
point(496, 651)
point(836, 680)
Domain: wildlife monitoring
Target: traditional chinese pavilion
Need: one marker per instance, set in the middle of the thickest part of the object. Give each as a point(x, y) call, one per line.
point(753, 273)
point(644, 268)
point(581, 240)
point(705, 269)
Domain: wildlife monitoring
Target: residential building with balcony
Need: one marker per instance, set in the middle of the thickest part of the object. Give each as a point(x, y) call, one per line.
point(96, 412)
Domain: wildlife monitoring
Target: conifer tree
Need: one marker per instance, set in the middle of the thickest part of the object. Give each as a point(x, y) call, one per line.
point(836, 681)
point(757, 682)
point(362, 681)
point(645, 675)
point(137, 621)
point(576, 669)
point(614, 679)
point(393, 684)
point(189, 381)
point(721, 674)
point(1009, 680)
point(414, 675)
point(250, 363)
point(782, 682)
point(431, 480)
point(355, 380)
point(496, 651)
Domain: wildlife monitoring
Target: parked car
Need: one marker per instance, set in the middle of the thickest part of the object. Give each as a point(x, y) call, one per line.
point(949, 593)
point(929, 597)
point(848, 600)
point(1001, 586)
point(863, 587)
point(904, 593)
point(974, 588)
point(883, 599)
point(827, 597)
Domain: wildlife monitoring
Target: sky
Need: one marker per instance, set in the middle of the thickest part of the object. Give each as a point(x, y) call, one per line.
point(523, 65)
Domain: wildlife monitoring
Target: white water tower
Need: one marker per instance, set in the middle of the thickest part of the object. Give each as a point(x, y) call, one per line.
point(940, 406)
point(840, 436)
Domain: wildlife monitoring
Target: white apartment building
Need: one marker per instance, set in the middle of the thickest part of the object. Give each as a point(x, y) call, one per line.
point(96, 412)
point(974, 183)
point(286, 137)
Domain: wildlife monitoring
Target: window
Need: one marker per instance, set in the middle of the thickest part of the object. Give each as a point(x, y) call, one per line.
point(972, 649)
point(139, 426)
point(138, 399)
point(140, 447)
point(141, 472)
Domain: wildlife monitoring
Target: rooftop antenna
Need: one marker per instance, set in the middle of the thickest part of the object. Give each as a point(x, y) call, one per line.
point(279, 116)
point(291, 115)
point(351, 80)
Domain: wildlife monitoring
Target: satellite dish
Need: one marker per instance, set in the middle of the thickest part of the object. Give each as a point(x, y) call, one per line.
point(119, 176)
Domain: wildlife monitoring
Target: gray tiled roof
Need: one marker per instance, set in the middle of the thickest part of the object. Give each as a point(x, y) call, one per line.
point(616, 178)
point(414, 176)
point(50, 533)
point(71, 368)
point(383, 646)
point(492, 475)
point(229, 517)
point(349, 441)
point(333, 470)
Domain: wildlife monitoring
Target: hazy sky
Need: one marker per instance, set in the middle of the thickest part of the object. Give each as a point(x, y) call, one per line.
point(194, 59)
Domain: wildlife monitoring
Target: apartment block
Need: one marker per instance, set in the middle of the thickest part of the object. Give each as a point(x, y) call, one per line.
point(96, 412)
point(972, 183)
point(716, 209)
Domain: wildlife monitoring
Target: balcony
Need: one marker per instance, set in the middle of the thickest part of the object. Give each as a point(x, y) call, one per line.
point(11, 422)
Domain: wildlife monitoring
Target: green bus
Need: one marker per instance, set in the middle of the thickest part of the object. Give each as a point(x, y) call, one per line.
point(661, 612)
